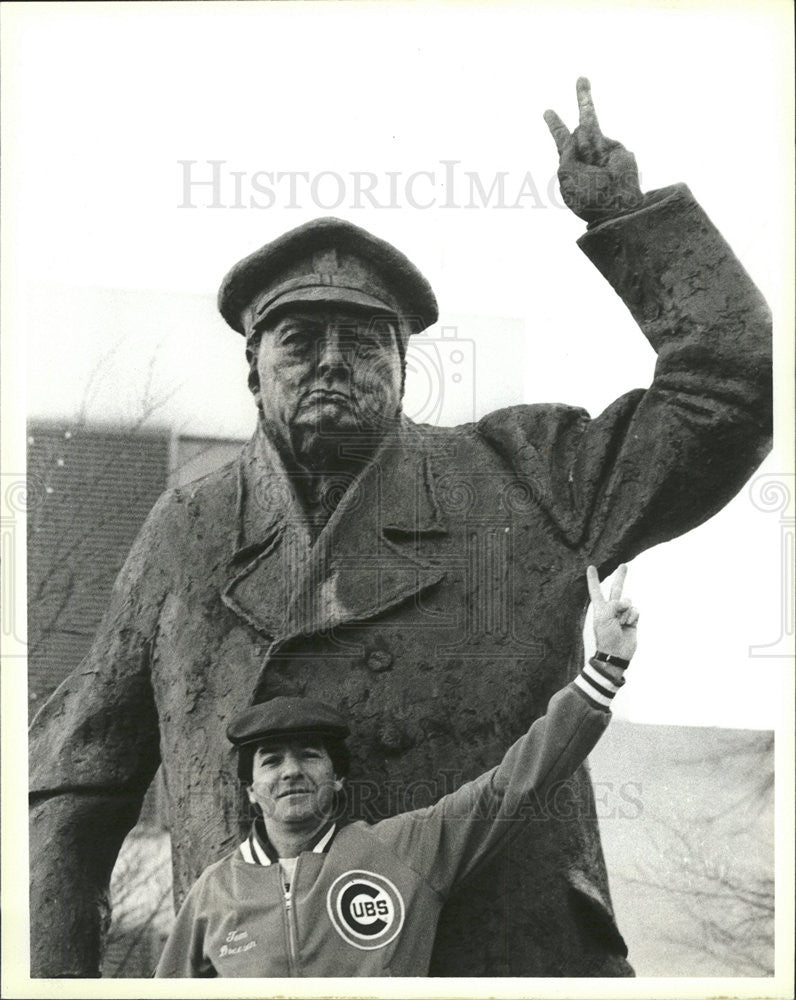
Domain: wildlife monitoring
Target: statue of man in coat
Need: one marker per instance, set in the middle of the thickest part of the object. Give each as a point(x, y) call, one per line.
point(428, 581)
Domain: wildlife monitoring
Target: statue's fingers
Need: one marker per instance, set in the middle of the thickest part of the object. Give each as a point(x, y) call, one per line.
point(588, 116)
point(632, 618)
point(618, 582)
point(560, 133)
point(593, 582)
point(591, 145)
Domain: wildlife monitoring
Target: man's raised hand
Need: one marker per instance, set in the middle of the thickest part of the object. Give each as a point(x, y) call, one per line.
point(598, 176)
point(615, 619)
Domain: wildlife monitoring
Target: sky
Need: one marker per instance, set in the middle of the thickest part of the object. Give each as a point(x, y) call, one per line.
point(422, 123)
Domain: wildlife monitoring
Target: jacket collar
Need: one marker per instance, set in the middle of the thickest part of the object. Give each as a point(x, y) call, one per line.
point(257, 849)
point(370, 555)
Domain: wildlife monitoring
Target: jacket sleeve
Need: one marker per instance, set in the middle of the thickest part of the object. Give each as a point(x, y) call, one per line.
point(184, 955)
point(659, 462)
point(94, 748)
point(447, 841)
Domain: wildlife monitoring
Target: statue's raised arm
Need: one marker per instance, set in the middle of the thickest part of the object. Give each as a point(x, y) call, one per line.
point(659, 461)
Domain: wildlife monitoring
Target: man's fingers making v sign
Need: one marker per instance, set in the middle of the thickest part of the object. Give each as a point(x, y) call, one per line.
point(615, 618)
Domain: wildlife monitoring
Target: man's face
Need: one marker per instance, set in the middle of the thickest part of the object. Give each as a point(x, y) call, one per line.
point(294, 783)
point(327, 373)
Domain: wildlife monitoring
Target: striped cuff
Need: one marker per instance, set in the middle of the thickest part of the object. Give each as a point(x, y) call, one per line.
point(598, 688)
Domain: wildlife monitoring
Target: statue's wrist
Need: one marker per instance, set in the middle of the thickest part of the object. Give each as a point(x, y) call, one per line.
point(637, 204)
point(612, 214)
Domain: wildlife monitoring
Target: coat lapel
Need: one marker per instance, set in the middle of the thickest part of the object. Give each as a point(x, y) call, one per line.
point(376, 550)
point(272, 541)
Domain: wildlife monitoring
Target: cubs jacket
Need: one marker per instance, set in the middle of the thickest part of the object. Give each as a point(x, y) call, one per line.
point(365, 901)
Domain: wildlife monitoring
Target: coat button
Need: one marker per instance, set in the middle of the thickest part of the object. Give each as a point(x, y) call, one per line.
point(379, 661)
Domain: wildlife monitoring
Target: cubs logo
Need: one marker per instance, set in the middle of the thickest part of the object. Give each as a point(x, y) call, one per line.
point(366, 909)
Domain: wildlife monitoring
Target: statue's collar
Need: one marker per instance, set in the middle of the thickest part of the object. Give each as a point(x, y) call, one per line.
point(397, 482)
point(378, 548)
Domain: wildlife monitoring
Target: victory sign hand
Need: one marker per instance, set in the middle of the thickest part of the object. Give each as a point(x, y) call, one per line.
point(598, 176)
point(615, 619)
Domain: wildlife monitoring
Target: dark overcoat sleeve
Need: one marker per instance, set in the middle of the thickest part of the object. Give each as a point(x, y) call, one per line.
point(94, 748)
point(660, 461)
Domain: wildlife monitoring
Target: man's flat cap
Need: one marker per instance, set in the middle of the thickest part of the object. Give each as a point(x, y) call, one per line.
point(326, 260)
point(281, 717)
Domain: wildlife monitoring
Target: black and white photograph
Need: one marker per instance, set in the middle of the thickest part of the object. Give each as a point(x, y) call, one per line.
point(398, 499)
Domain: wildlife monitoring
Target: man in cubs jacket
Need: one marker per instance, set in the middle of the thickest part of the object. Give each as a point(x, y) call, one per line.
point(430, 584)
point(304, 897)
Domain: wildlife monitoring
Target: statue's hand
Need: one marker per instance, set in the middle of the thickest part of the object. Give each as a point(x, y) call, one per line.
point(598, 176)
point(615, 620)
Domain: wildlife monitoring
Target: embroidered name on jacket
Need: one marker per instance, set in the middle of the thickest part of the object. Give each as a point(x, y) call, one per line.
point(237, 943)
point(366, 909)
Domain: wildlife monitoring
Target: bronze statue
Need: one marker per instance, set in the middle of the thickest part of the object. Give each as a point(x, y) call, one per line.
point(427, 581)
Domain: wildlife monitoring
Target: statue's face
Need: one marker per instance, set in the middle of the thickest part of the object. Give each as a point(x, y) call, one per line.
point(326, 373)
point(294, 783)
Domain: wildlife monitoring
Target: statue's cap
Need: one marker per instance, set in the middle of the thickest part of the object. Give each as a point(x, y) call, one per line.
point(327, 260)
point(286, 717)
